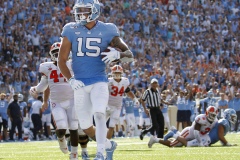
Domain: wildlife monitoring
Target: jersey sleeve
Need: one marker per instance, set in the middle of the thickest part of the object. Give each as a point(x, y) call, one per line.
point(43, 69)
point(112, 31)
point(67, 31)
point(145, 94)
point(201, 119)
point(225, 124)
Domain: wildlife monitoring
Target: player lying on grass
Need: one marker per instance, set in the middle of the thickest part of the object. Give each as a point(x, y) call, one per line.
point(216, 134)
point(202, 125)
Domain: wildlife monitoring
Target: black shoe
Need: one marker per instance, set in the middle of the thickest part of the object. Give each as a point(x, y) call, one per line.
point(141, 136)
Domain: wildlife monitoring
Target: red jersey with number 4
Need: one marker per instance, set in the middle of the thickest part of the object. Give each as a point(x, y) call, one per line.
point(60, 90)
point(116, 91)
point(206, 126)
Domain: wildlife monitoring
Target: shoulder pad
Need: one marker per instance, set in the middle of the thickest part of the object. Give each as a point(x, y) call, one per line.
point(112, 28)
point(201, 119)
point(71, 25)
point(223, 121)
point(45, 67)
point(110, 79)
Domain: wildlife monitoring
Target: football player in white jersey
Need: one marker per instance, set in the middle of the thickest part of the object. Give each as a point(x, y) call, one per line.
point(53, 84)
point(202, 125)
point(117, 85)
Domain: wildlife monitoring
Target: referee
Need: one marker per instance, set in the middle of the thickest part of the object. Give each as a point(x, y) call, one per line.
point(152, 97)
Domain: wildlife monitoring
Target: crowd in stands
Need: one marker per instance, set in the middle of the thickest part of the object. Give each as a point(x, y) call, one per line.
point(185, 44)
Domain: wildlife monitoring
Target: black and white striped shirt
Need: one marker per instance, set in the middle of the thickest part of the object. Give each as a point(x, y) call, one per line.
point(152, 98)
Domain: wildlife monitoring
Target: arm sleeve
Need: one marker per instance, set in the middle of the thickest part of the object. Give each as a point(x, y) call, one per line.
point(145, 94)
point(66, 32)
point(42, 85)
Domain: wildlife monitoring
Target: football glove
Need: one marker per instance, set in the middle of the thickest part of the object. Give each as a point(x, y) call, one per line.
point(110, 56)
point(75, 84)
point(33, 91)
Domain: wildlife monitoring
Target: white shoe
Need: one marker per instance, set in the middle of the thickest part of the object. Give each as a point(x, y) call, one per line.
point(63, 145)
point(151, 141)
point(73, 156)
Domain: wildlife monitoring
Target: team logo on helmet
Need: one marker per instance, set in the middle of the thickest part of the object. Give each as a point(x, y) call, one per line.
point(54, 50)
point(211, 113)
point(117, 71)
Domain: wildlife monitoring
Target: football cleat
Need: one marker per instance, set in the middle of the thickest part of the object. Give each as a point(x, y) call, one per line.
point(63, 145)
point(151, 141)
point(73, 156)
point(85, 156)
point(111, 150)
point(141, 135)
point(99, 156)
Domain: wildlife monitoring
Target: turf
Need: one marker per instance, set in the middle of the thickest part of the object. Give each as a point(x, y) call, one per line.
point(128, 149)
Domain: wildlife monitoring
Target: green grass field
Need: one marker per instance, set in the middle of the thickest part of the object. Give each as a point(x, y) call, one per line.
point(128, 149)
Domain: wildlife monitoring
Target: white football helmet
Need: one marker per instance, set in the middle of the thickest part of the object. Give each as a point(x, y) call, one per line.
point(86, 11)
point(20, 97)
point(54, 50)
point(211, 113)
point(117, 72)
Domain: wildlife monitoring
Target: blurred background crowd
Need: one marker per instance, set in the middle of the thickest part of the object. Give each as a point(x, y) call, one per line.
point(185, 44)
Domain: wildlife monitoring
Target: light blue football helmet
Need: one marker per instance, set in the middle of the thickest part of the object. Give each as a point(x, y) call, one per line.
point(210, 94)
point(230, 115)
point(89, 7)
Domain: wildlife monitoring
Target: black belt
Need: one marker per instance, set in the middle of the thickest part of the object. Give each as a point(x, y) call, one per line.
point(152, 107)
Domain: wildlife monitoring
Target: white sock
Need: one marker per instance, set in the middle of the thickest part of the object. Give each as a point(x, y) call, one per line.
point(108, 144)
point(156, 140)
point(74, 149)
point(101, 131)
point(84, 149)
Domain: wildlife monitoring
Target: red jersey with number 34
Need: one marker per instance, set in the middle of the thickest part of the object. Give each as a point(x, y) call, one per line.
point(116, 91)
point(60, 90)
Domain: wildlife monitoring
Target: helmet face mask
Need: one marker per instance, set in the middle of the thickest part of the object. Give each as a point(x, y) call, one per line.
point(210, 94)
point(86, 11)
point(117, 75)
point(20, 97)
point(211, 113)
point(54, 54)
point(117, 72)
point(230, 115)
point(54, 51)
